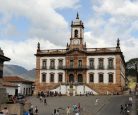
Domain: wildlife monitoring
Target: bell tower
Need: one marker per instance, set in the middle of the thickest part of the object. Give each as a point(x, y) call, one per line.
point(77, 34)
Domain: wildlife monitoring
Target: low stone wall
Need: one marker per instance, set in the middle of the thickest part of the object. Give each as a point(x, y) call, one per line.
point(15, 109)
point(3, 95)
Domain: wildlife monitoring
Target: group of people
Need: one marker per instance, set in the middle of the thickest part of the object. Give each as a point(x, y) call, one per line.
point(49, 94)
point(125, 109)
point(5, 111)
point(75, 109)
point(32, 111)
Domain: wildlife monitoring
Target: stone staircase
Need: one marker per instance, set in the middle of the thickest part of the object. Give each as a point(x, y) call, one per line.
point(48, 87)
point(104, 89)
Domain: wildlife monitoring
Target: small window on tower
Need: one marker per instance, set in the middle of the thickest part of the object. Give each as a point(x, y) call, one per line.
point(76, 33)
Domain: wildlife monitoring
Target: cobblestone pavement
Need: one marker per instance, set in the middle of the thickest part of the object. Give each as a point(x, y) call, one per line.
point(87, 104)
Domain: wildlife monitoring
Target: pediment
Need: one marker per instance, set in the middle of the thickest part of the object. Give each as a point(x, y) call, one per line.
point(75, 52)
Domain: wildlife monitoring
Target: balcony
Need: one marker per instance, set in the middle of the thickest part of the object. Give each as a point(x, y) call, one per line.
point(101, 67)
point(110, 67)
point(60, 67)
point(91, 67)
point(44, 67)
point(51, 67)
point(75, 67)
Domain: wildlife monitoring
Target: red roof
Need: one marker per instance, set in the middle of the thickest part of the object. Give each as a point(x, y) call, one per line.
point(9, 84)
point(15, 79)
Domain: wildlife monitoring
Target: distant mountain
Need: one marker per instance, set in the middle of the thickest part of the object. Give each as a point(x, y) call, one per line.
point(12, 70)
point(30, 75)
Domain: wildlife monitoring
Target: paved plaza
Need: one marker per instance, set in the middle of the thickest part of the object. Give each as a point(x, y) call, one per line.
point(107, 105)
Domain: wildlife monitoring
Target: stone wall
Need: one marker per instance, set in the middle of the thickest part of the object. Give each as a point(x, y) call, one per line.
point(16, 109)
point(3, 95)
point(104, 88)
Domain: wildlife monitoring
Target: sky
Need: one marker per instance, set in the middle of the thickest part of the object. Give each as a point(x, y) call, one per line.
point(24, 23)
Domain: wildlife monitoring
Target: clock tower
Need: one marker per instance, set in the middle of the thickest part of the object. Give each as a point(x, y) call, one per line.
point(77, 34)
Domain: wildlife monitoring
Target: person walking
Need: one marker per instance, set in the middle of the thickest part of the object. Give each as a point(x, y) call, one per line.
point(5, 111)
point(68, 110)
point(125, 109)
point(45, 101)
point(121, 109)
point(130, 101)
point(41, 100)
point(36, 110)
point(96, 101)
point(54, 113)
point(78, 107)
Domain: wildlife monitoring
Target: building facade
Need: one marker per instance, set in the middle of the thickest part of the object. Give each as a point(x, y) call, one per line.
point(24, 86)
point(3, 94)
point(78, 69)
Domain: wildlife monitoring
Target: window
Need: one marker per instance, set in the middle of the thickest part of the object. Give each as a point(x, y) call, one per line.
point(60, 65)
point(52, 64)
point(80, 78)
point(91, 77)
point(100, 77)
point(110, 78)
point(52, 77)
point(91, 63)
point(101, 65)
point(60, 77)
point(80, 63)
point(44, 64)
point(71, 78)
point(76, 33)
point(110, 63)
point(43, 77)
point(71, 63)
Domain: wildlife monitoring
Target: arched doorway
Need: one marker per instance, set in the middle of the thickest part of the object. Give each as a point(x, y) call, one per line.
point(71, 78)
point(80, 78)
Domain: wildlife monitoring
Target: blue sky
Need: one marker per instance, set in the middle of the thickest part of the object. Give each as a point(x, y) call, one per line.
point(24, 23)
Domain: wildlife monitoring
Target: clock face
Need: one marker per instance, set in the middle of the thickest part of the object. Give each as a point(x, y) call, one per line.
point(76, 41)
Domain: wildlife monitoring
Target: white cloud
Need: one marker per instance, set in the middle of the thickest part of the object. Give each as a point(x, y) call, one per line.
point(44, 20)
point(115, 7)
point(114, 19)
point(46, 25)
point(22, 53)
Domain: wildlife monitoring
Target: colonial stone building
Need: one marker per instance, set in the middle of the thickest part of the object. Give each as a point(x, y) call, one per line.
point(3, 94)
point(78, 69)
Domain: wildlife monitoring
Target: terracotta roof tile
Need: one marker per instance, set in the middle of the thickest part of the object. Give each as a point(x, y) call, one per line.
point(15, 79)
point(9, 84)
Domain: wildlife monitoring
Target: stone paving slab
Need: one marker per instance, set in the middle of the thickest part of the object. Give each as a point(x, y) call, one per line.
point(88, 106)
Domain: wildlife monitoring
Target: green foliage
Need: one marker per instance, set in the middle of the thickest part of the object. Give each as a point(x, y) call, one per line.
point(131, 67)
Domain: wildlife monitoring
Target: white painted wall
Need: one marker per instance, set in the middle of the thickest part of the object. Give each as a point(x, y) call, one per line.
point(21, 87)
point(105, 75)
point(56, 72)
point(105, 57)
point(10, 90)
point(56, 61)
point(105, 71)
